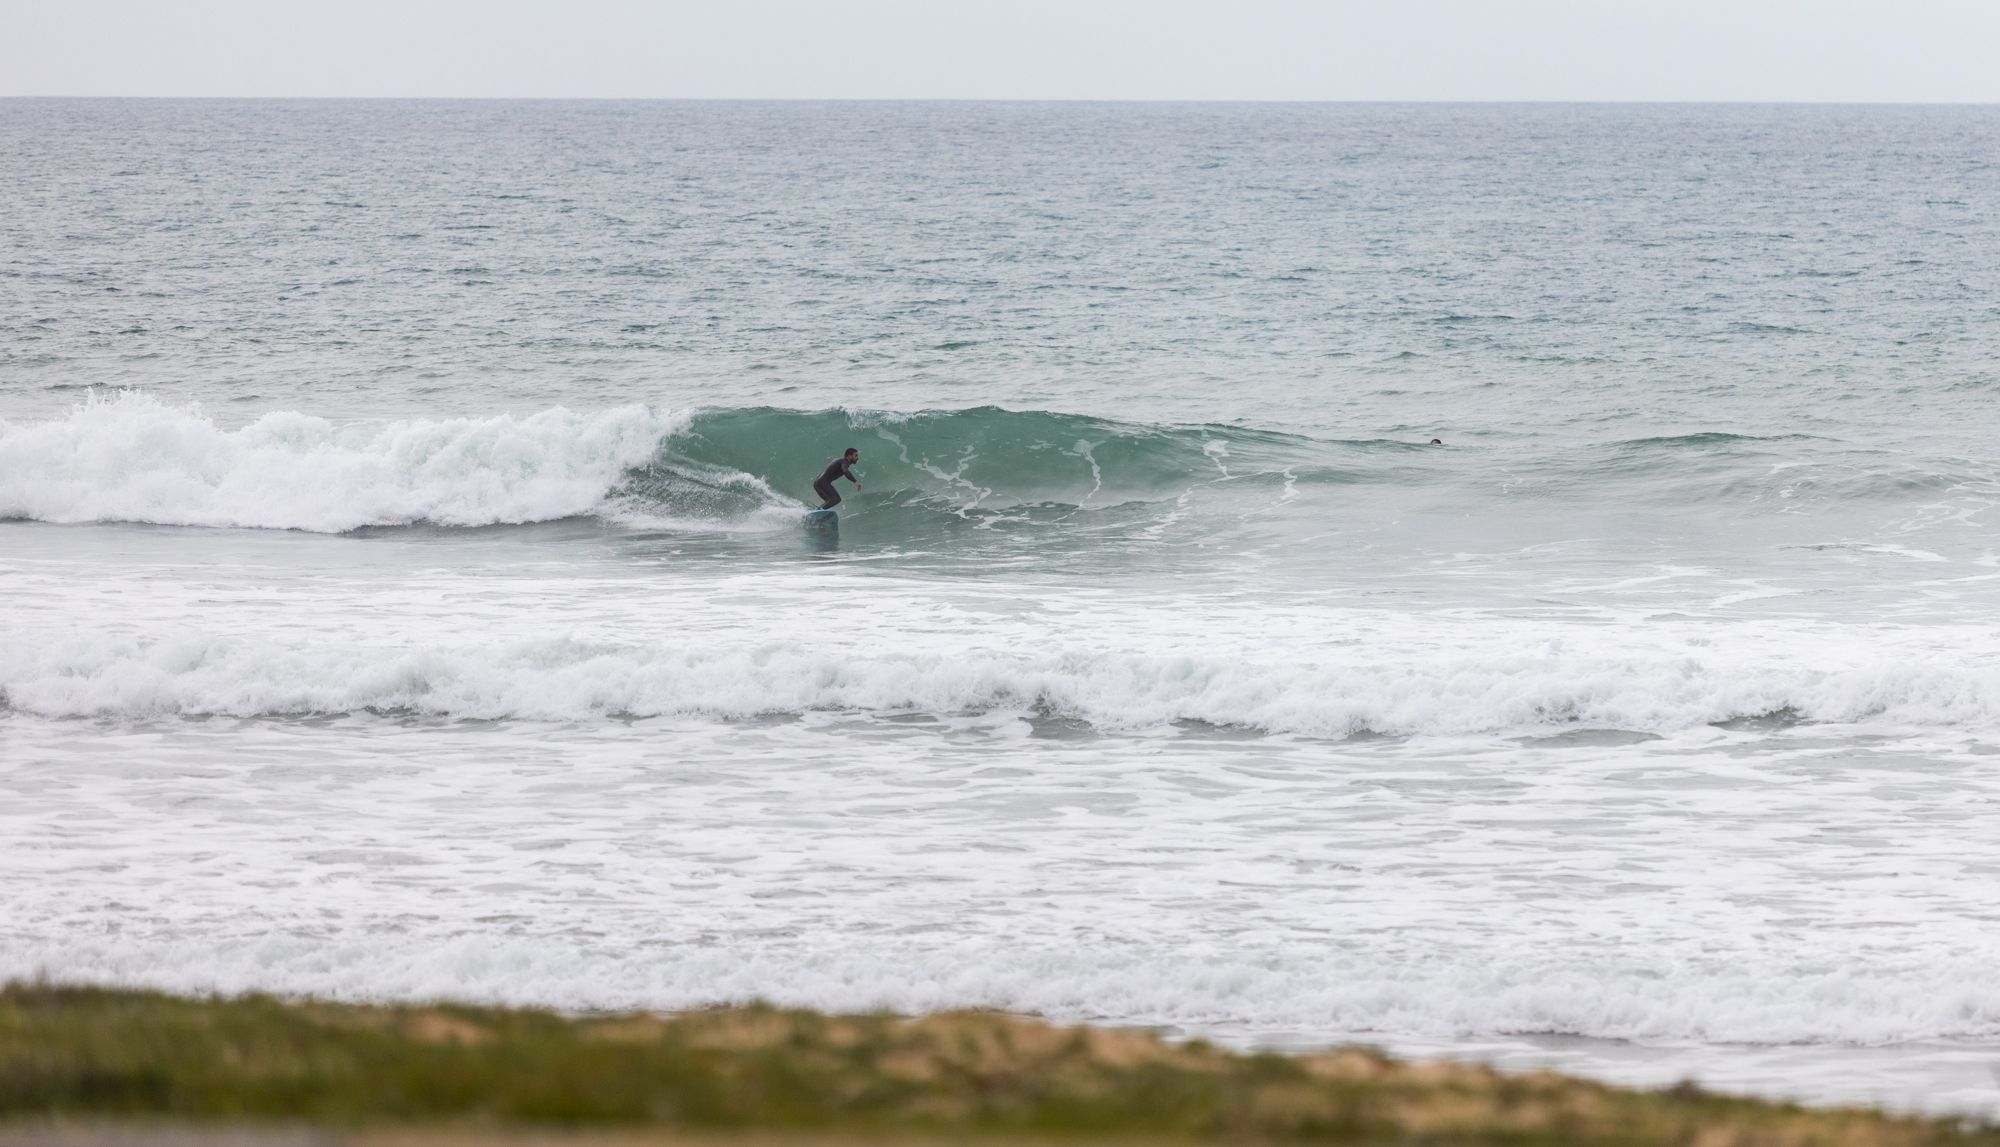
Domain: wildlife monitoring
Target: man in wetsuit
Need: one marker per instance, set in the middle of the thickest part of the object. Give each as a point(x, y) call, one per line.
point(841, 467)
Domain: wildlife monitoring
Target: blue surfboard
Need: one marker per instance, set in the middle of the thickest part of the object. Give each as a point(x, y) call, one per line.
point(822, 520)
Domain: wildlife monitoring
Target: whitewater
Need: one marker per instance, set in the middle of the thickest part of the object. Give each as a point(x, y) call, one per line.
point(404, 593)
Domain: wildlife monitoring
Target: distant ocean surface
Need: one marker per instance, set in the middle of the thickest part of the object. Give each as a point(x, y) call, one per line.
point(405, 596)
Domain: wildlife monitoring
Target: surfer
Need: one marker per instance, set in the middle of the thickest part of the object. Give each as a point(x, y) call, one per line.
point(841, 467)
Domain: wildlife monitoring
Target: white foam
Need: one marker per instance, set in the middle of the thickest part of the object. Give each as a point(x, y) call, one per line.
point(1640, 892)
point(1474, 689)
point(132, 458)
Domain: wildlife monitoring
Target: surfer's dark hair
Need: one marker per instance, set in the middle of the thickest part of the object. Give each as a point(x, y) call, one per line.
point(849, 450)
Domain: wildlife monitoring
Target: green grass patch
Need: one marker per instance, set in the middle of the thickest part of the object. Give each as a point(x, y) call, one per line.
point(98, 1055)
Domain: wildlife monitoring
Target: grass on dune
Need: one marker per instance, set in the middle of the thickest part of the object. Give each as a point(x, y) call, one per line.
point(70, 1054)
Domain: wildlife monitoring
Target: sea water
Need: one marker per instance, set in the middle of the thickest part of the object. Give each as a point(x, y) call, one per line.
point(405, 595)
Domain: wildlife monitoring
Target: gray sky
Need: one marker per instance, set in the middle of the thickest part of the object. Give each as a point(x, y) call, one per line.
point(1830, 50)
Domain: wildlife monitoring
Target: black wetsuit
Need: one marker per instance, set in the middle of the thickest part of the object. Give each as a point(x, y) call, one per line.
point(838, 468)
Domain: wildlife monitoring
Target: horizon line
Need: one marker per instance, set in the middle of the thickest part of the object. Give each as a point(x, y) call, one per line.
point(1400, 100)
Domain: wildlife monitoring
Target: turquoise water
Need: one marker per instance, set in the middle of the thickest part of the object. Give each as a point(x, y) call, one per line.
point(399, 519)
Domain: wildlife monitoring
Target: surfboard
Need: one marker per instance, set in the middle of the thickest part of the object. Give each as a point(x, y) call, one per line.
point(822, 520)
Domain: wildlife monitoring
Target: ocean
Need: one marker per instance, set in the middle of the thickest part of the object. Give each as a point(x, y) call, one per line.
point(406, 597)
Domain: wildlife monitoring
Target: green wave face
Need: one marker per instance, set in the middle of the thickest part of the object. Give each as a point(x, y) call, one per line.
point(963, 462)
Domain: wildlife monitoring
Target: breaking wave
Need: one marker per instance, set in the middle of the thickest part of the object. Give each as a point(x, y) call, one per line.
point(133, 458)
point(130, 457)
point(1449, 693)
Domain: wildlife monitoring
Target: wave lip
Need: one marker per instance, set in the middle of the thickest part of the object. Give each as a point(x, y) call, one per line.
point(132, 458)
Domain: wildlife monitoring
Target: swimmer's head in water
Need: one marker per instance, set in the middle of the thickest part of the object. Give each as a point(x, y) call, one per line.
point(1437, 441)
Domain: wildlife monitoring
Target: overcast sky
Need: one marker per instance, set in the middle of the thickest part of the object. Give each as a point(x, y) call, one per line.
point(1816, 50)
